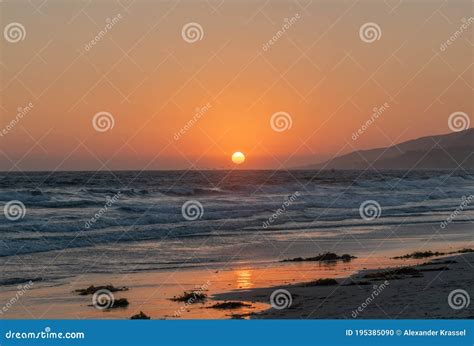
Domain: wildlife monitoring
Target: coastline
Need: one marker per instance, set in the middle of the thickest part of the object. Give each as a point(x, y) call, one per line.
point(152, 292)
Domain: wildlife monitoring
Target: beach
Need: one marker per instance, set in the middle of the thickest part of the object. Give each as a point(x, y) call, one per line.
point(423, 296)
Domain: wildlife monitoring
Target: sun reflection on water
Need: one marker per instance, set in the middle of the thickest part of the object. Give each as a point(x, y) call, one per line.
point(244, 279)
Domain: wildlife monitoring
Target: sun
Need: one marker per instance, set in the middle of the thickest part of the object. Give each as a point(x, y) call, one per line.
point(238, 157)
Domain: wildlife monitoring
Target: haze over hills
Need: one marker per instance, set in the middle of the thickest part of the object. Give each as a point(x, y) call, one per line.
point(449, 151)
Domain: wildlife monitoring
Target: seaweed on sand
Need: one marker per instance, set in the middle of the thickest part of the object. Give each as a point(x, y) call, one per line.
point(190, 297)
point(120, 303)
point(140, 316)
point(420, 254)
point(92, 289)
point(230, 305)
point(425, 254)
point(327, 256)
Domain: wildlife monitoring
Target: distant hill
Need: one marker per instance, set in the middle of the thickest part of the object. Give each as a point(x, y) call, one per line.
point(433, 152)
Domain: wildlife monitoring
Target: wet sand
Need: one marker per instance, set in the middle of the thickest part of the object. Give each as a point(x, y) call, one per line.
point(152, 292)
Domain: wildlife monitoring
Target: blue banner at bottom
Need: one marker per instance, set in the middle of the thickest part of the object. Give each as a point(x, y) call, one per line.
point(236, 332)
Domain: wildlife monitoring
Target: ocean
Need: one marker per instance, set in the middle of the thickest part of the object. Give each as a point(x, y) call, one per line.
point(118, 222)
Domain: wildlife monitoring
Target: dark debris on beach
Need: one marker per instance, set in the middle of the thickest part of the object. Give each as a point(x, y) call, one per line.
point(92, 289)
point(120, 303)
point(230, 305)
point(425, 254)
point(327, 256)
point(140, 316)
point(190, 297)
point(438, 263)
point(420, 254)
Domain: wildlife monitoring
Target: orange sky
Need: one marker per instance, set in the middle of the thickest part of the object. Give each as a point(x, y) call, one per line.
point(152, 81)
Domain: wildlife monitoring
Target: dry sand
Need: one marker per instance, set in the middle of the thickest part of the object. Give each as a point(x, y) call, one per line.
point(405, 297)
